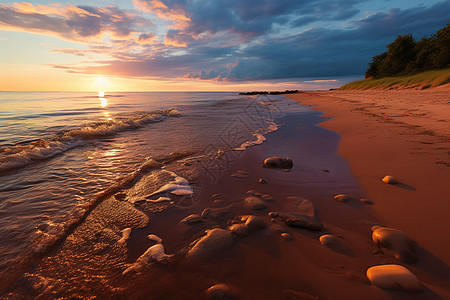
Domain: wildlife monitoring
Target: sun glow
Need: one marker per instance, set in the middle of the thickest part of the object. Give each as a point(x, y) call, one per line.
point(103, 102)
point(101, 94)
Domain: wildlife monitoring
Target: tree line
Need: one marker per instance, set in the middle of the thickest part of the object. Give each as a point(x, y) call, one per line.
point(405, 56)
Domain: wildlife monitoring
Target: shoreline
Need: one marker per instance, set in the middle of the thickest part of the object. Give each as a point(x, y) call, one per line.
point(378, 140)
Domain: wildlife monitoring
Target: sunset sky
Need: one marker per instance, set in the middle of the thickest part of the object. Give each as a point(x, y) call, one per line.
point(220, 45)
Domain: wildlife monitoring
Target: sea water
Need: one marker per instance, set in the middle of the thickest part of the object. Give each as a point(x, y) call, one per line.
point(58, 149)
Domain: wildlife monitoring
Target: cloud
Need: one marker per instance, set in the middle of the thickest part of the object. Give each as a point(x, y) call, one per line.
point(74, 23)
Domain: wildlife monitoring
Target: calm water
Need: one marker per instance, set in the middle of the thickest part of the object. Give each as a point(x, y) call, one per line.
point(58, 149)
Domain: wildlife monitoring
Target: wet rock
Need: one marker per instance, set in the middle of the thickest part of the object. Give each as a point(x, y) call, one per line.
point(255, 203)
point(335, 243)
point(220, 291)
point(126, 233)
point(298, 212)
point(239, 175)
point(366, 201)
point(214, 241)
point(267, 198)
point(342, 198)
point(217, 213)
point(154, 238)
point(262, 180)
point(389, 179)
point(192, 219)
point(278, 162)
point(155, 253)
point(395, 240)
point(255, 223)
point(394, 277)
point(286, 236)
point(240, 230)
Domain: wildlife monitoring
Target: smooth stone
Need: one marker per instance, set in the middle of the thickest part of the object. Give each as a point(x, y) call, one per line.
point(239, 230)
point(217, 213)
point(262, 180)
point(153, 253)
point(192, 219)
point(220, 291)
point(267, 198)
point(154, 238)
point(342, 198)
point(296, 222)
point(126, 233)
point(286, 236)
point(335, 243)
point(394, 277)
point(255, 223)
point(255, 203)
point(239, 175)
point(278, 162)
point(389, 179)
point(395, 240)
point(366, 201)
point(215, 240)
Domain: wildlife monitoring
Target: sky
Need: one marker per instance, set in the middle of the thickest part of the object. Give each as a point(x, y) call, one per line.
point(201, 45)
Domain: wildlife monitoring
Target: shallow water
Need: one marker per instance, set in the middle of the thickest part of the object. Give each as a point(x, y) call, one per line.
point(57, 150)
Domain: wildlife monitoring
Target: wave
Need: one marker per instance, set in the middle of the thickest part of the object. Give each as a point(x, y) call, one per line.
point(23, 154)
point(260, 138)
point(52, 234)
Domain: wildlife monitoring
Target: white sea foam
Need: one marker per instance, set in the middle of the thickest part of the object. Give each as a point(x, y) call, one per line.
point(21, 155)
point(260, 138)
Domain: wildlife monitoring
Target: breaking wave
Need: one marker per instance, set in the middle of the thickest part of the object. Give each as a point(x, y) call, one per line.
point(23, 154)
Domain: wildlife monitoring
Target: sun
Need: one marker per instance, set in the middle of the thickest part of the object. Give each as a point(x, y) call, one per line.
point(101, 94)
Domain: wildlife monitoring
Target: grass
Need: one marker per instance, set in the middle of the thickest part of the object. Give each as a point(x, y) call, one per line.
point(422, 80)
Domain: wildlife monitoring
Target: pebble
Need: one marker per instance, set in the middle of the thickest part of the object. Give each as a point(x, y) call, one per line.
point(125, 235)
point(335, 243)
point(217, 213)
point(286, 236)
point(262, 180)
point(267, 198)
point(215, 240)
point(342, 198)
point(366, 201)
point(255, 203)
point(389, 179)
point(395, 240)
point(192, 219)
point(239, 230)
point(394, 277)
point(255, 223)
point(220, 291)
point(278, 162)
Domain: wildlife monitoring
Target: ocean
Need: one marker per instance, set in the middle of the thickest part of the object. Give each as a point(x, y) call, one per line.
point(60, 152)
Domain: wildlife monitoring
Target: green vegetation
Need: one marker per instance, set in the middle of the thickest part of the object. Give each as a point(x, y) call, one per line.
point(405, 56)
point(421, 80)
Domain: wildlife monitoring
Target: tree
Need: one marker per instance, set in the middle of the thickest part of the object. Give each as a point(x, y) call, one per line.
point(374, 65)
point(399, 54)
point(441, 57)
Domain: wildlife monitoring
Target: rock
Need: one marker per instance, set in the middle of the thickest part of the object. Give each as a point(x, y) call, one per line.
point(335, 243)
point(153, 253)
point(239, 175)
point(389, 179)
point(255, 223)
point(342, 198)
point(126, 233)
point(394, 277)
point(262, 180)
point(240, 230)
point(395, 240)
point(298, 212)
point(255, 203)
point(220, 291)
point(215, 240)
point(366, 201)
point(277, 228)
point(278, 162)
point(192, 219)
point(267, 198)
point(154, 238)
point(217, 213)
point(286, 236)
